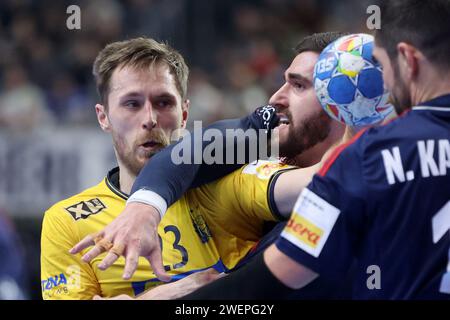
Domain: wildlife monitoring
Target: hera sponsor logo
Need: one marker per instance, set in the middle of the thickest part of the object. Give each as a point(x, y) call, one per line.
point(311, 223)
point(304, 230)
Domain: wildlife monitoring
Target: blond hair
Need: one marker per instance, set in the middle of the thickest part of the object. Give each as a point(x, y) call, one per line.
point(139, 53)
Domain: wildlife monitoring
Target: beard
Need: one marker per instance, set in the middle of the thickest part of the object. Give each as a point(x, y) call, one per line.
point(134, 159)
point(400, 96)
point(305, 135)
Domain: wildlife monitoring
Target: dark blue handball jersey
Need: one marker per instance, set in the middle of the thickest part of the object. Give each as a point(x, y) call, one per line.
point(382, 202)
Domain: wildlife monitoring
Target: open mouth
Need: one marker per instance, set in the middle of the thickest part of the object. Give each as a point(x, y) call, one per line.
point(150, 144)
point(284, 120)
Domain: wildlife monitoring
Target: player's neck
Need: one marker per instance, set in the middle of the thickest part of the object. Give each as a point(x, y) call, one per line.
point(431, 85)
point(126, 179)
point(427, 96)
point(348, 134)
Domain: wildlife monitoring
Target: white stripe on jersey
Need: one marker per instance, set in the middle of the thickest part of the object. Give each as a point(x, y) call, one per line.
point(431, 108)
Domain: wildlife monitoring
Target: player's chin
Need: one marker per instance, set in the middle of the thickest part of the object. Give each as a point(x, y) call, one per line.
point(143, 154)
point(281, 134)
point(141, 160)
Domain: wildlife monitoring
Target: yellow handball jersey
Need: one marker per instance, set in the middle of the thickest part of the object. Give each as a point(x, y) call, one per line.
point(215, 225)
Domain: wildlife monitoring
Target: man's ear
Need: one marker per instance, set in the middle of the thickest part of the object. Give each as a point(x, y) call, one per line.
point(102, 117)
point(184, 112)
point(408, 60)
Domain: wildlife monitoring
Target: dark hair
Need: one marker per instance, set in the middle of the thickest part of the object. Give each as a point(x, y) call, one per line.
point(423, 24)
point(318, 41)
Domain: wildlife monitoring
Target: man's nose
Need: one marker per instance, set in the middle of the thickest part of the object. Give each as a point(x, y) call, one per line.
point(149, 116)
point(279, 98)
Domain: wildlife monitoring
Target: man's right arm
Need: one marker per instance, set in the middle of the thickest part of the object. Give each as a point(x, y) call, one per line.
point(270, 275)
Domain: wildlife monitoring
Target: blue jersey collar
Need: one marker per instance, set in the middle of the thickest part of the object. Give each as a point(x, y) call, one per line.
point(441, 101)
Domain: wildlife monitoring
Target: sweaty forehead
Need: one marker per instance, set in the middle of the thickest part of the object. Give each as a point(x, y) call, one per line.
point(303, 64)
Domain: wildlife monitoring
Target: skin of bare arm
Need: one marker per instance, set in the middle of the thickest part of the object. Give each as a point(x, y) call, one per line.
point(289, 272)
point(175, 289)
point(289, 185)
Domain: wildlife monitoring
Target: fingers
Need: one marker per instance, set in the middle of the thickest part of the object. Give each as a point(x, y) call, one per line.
point(131, 261)
point(110, 258)
point(134, 233)
point(114, 253)
point(83, 244)
point(155, 260)
point(101, 245)
point(91, 254)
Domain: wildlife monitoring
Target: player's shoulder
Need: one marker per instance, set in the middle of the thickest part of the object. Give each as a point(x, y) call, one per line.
point(87, 200)
point(405, 127)
point(263, 169)
point(367, 143)
point(371, 139)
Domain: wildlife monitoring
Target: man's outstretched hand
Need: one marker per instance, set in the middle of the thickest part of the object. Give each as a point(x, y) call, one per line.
point(132, 234)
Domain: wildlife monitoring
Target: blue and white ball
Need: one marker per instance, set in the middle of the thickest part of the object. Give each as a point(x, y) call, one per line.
point(349, 82)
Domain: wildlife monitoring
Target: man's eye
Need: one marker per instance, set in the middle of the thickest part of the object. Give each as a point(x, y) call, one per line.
point(131, 104)
point(164, 103)
point(297, 85)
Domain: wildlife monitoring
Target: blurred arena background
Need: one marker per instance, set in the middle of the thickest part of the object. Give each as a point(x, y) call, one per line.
point(50, 144)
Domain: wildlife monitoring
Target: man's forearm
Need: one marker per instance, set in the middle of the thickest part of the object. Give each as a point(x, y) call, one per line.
point(270, 275)
point(253, 281)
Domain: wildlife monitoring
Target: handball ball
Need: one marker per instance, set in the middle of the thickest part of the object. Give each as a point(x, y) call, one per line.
point(349, 82)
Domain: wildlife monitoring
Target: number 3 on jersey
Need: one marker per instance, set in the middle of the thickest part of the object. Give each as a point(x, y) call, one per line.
point(176, 246)
point(441, 225)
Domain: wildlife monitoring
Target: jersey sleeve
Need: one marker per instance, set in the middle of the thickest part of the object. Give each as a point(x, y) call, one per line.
point(63, 276)
point(328, 219)
point(248, 192)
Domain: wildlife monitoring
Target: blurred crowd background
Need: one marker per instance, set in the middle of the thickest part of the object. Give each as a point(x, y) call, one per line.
point(49, 141)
